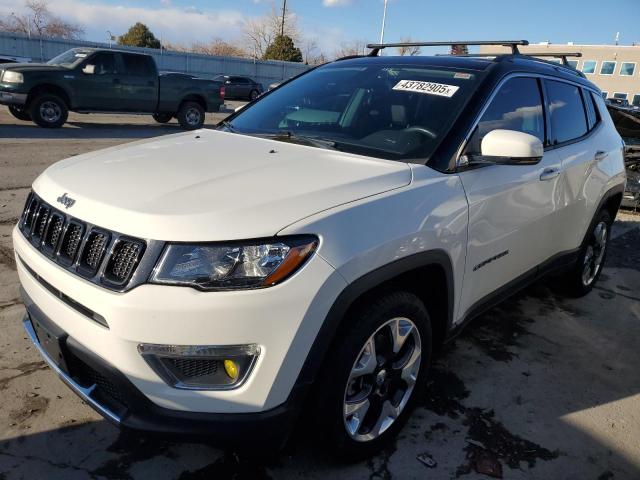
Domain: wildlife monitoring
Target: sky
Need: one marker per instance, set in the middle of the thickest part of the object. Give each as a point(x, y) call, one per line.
point(332, 22)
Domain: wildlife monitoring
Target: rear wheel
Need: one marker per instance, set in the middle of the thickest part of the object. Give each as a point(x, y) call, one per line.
point(162, 117)
point(374, 374)
point(190, 115)
point(253, 94)
point(49, 111)
point(582, 277)
point(20, 113)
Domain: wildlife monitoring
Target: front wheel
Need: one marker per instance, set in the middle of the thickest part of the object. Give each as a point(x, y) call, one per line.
point(20, 113)
point(581, 278)
point(49, 111)
point(190, 115)
point(375, 372)
point(253, 95)
point(162, 117)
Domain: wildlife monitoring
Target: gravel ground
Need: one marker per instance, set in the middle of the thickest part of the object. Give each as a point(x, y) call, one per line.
point(540, 387)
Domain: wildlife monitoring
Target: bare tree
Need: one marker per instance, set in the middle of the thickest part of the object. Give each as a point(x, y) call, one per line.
point(218, 47)
point(38, 20)
point(459, 50)
point(354, 47)
point(260, 32)
point(410, 51)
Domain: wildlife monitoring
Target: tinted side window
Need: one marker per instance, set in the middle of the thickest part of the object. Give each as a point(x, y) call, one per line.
point(136, 65)
point(592, 114)
point(516, 106)
point(568, 120)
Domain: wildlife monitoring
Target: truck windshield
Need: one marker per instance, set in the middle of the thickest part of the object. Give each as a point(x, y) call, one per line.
point(70, 58)
point(396, 112)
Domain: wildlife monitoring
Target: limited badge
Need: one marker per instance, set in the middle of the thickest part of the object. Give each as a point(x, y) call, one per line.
point(430, 88)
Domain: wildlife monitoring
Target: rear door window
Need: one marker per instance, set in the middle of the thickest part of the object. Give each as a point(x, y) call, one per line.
point(136, 65)
point(568, 116)
point(517, 106)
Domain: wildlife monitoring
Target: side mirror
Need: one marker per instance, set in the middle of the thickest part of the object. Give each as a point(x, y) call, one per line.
point(510, 147)
point(89, 69)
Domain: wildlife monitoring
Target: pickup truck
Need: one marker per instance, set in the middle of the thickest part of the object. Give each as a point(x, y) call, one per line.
point(91, 80)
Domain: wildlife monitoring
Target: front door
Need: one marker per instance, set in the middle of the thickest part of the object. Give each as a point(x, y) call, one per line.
point(97, 83)
point(511, 207)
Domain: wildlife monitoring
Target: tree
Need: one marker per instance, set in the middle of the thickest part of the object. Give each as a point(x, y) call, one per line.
point(39, 21)
point(283, 48)
point(139, 35)
point(347, 49)
point(459, 50)
point(410, 51)
point(262, 31)
point(218, 47)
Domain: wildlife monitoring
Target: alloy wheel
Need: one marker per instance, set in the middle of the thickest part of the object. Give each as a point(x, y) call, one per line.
point(193, 116)
point(382, 379)
point(595, 253)
point(50, 112)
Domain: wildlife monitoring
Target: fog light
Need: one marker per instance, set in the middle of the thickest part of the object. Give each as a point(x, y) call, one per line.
point(231, 368)
point(201, 367)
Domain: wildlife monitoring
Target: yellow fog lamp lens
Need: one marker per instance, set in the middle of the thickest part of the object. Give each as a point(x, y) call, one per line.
point(231, 368)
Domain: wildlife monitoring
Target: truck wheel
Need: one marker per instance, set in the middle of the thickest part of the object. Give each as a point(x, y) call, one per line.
point(581, 278)
point(190, 115)
point(49, 111)
point(375, 372)
point(162, 117)
point(253, 94)
point(20, 113)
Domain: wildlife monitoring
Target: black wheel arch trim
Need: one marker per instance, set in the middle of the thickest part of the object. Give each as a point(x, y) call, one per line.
point(362, 285)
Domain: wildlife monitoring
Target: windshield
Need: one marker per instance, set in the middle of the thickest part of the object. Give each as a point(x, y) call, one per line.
point(70, 58)
point(397, 112)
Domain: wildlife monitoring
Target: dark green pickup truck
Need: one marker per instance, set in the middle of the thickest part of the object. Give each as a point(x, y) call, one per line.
point(89, 80)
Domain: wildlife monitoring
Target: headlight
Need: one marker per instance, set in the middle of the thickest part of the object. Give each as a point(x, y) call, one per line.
point(12, 77)
point(233, 265)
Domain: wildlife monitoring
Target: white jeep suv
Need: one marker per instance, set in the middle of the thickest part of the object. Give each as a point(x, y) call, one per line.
point(312, 252)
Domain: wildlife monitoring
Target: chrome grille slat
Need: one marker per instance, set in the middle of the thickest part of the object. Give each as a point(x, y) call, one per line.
point(102, 256)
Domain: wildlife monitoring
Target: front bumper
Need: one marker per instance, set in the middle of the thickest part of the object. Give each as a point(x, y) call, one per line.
point(283, 320)
point(12, 98)
point(113, 396)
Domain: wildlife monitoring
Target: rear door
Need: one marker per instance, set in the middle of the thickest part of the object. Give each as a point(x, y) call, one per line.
point(139, 83)
point(97, 83)
point(511, 207)
point(583, 146)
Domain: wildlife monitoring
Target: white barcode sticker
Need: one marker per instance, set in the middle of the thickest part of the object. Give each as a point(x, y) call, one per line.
point(430, 88)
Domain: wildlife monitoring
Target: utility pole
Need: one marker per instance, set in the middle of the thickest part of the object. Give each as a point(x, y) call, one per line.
point(384, 19)
point(284, 13)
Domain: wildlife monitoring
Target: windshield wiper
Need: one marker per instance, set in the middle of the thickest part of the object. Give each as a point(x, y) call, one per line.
point(290, 137)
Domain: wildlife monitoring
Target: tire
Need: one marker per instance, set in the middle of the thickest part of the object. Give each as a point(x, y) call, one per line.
point(190, 116)
point(343, 387)
point(162, 117)
point(48, 111)
point(253, 94)
point(20, 113)
point(582, 277)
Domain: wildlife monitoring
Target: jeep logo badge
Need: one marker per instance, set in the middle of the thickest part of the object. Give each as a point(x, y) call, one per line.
point(65, 200)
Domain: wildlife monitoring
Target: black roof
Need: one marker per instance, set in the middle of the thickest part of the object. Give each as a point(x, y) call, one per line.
point(499, 66)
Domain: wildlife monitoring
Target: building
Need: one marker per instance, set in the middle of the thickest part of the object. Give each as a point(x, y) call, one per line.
point(613, 68)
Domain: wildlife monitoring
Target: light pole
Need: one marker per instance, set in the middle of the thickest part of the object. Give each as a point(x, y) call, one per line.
point(384, 18)
point(110, 37)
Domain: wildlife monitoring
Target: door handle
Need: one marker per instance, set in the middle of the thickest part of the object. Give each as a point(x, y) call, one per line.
point(549, 174)
point(601, 155)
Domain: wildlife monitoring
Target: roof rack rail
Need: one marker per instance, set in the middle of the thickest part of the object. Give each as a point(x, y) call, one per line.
point(561, 55)
point(513, 44)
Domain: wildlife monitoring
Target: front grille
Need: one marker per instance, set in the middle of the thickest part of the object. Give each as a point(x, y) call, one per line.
point(103, 256)
point(126, 255)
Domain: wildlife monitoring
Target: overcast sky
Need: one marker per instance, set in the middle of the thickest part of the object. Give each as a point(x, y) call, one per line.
point(331, 22)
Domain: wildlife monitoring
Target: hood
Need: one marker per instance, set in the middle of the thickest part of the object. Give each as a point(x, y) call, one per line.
point(27, 67)
point(209, 185)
